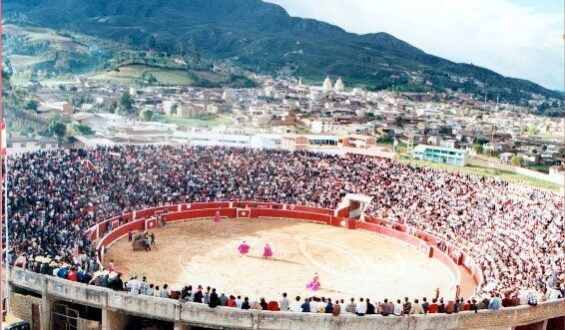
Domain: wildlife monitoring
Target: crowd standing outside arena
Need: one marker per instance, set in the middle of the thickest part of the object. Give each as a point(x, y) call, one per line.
point(516, 234)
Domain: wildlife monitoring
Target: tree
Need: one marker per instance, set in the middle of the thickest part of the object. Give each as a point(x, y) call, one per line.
point(149, 78)
point(126, 103)
point(517, 144)
point(385, 139)
point(146, 115)
point(517, 160)
point(478, 148)
point(58, 129)
point(84, 129)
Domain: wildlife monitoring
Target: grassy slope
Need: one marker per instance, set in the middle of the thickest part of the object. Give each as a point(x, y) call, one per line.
point(165, 70)
point(165, 75)
point(485, 171)
point(22, 61)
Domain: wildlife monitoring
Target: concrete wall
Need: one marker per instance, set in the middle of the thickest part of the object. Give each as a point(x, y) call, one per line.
point(116, 306)
point(22, 306)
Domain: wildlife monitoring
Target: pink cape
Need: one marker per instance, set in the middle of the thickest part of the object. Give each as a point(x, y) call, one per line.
point(243, 248)
point(216, 218)
point(313, 286)
point(267, 252)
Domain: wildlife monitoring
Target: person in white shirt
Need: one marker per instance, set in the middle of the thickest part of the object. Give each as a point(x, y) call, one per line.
point(238, 302)
point(284, 303)
point(398, 308)
point(296, 306)
point(156, 292)
point(143, 286)
point(133, 285)
point(553, 294)
point(361, 307)
point(313, 306)
point(150, 290)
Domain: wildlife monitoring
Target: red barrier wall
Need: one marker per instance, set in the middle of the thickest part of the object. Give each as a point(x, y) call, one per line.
point(390, 232)
point(243, 213)
point(146, 212)
point(198, 213)
point(198, 206)
point(256, 213)
point(312, 209)
point(115, 234)
point(150, 223)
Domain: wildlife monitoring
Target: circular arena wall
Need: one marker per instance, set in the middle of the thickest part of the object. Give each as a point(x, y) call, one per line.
point(117, 306)
point(149, 218)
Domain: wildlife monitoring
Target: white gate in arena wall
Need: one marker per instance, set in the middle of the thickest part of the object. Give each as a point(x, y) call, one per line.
point(354, 206)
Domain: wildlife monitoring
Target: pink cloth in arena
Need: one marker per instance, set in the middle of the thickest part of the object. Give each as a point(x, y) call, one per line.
point(267, 252)
point(313, 286)
point(216, 218)
point(243, 248)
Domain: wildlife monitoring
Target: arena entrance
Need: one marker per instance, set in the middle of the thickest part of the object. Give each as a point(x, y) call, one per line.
point(353, 206)
point(64, 317)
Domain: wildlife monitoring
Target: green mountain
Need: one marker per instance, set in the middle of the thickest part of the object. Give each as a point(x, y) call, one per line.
point(262, 37)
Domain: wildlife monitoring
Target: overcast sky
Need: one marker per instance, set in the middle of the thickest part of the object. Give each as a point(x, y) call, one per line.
point(516, 38)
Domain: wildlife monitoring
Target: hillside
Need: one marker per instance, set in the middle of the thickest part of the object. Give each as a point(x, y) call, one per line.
point(35, 53)
point(262, 37)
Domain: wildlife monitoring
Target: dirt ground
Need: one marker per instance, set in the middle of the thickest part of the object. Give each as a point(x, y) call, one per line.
point(349, 262)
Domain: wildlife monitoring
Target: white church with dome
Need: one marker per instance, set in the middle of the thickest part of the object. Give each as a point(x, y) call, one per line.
point(328, 86)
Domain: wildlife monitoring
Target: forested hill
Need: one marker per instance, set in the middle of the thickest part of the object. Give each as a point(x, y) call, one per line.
point(262, 37)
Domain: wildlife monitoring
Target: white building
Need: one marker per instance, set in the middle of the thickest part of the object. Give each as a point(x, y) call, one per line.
point(169, 106)
point(339, 86)
point(322, 125)
point(19, 145)
point(98, 121)
point(327, 86)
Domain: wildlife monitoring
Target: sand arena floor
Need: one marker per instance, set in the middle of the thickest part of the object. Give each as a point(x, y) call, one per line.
point(349, 262)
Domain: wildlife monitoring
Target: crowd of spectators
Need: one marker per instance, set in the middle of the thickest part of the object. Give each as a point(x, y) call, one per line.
point(515, 233)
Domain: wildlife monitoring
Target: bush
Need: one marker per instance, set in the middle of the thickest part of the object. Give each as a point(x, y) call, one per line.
point(58, 129)
point(32, 105)
point(478, 148)
point(517, 160)
point(84, 129)
point(146, 115)
point(385, 139)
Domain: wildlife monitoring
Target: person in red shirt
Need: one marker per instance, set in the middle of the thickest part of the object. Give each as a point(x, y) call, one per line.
point(433, 306)
point(231, 302)
point(73, 274)
point(273, 306)
point(467, 306)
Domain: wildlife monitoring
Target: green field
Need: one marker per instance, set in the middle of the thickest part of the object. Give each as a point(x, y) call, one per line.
point(185, 123)
point(20, 61)
point(485, 171)
point(132, 72)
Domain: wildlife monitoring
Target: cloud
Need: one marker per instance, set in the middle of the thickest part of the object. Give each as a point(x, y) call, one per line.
point(511, 39)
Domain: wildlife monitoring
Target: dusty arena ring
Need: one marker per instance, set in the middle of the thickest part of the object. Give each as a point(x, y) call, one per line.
point(142, 220)
point(117, 307)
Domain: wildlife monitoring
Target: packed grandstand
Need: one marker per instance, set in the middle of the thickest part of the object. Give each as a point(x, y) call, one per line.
point(515, 233)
